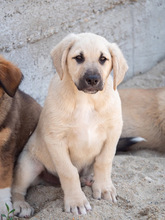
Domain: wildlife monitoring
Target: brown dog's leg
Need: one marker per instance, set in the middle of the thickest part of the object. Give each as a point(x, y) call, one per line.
point(6, 172)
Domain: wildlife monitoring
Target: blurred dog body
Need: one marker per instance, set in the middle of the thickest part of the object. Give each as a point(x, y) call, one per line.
point(143, 116)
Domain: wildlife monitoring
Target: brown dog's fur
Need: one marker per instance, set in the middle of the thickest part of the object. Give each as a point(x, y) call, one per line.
point(19, 114)
point(144, 116)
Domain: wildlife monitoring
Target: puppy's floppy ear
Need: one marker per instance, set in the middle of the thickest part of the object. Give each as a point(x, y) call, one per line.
point(119, 63)
point(10, 76)
point(60, 52)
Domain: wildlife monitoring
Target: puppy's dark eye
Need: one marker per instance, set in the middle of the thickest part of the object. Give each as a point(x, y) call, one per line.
point(102, 59)
point(80, 58)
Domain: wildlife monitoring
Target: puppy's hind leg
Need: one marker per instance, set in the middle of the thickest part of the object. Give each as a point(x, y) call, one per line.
point(26, 172)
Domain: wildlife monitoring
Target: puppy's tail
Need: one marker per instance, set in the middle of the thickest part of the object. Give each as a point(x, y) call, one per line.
point(125, 144)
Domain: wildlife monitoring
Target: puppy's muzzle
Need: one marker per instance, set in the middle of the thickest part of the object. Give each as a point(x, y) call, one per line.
point(90, 82)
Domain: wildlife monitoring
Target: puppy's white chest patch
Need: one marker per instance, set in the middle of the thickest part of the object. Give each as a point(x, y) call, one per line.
point(87, 134)
point(86, 124)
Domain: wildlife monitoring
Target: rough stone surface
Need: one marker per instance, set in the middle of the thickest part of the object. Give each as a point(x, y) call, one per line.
point(154, 78)
point(30, 29)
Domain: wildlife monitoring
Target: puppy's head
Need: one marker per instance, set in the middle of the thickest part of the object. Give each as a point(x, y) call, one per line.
point(88, 59)
point(10, 77)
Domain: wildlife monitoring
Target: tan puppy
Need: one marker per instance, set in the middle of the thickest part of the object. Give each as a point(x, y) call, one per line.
point(19, 114)
point(80, 124)
point(144, 116)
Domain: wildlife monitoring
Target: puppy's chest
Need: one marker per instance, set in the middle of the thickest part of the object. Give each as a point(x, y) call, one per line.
point(87, 132)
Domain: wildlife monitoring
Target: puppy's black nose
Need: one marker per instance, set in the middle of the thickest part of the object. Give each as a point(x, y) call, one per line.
point(92, 80)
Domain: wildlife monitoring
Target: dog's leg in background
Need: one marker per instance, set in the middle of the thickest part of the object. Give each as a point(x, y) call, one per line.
point(27, 170)
point(103, 186)
point(5, 188)
point(6, 172)
point(125, 143)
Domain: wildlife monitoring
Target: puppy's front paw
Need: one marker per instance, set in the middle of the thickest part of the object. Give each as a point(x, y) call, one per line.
point(4, 209)
point(76, 203)
point(22, 209)
point(104, 190)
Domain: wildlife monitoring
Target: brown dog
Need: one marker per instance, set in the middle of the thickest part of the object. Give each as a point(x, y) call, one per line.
point(143, 116)
point(19, 115)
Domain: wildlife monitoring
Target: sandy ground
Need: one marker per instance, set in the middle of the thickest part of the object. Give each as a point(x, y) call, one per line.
point(139, 180)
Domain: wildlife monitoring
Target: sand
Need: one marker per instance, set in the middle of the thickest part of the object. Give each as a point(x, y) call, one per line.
point(139, 179)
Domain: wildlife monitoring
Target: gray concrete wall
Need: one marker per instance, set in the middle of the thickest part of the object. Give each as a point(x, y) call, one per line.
point(30, 29)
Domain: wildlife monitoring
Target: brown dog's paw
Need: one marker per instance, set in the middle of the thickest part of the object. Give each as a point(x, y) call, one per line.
point(5, 202)
point(3, 208)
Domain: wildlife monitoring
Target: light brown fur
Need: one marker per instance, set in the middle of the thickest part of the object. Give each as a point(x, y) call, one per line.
point(4, 136)
point(78, 128)
point(5, 172)
point(144, 116)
